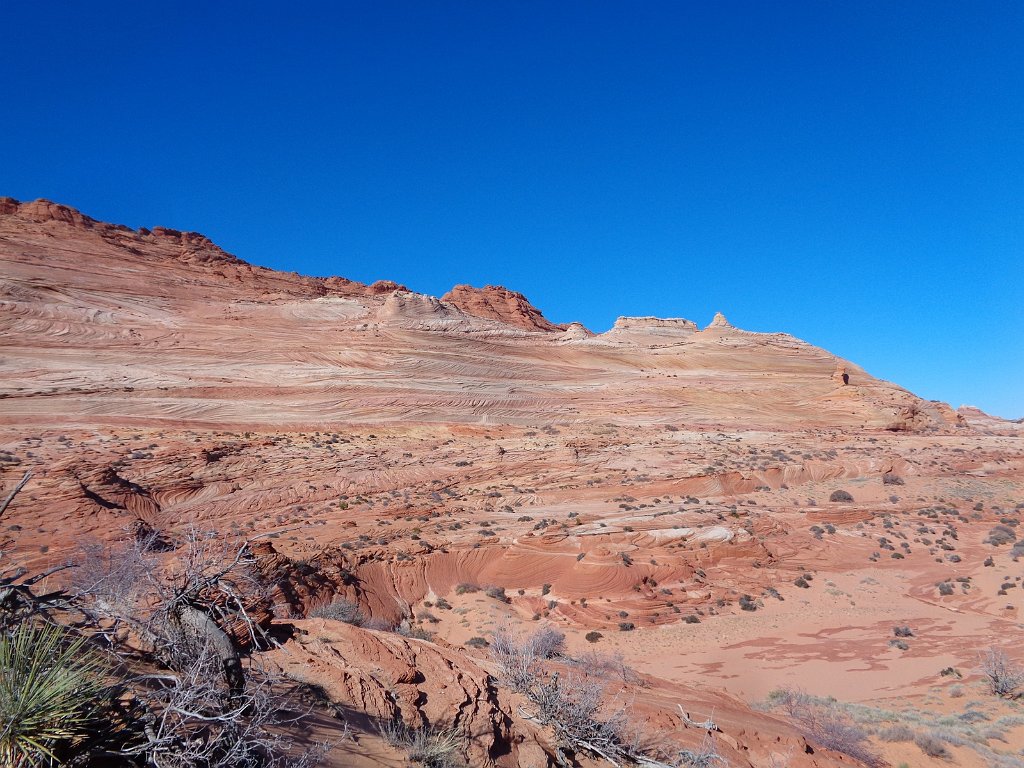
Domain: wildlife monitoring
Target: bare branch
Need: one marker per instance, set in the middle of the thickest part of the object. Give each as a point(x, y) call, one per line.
point(10, 497)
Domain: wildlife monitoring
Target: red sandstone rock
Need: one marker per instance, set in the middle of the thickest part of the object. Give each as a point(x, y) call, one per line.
point(497, 303)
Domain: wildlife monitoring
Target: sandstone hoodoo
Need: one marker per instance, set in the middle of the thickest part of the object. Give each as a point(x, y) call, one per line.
point(719, 321)
point(452, 525)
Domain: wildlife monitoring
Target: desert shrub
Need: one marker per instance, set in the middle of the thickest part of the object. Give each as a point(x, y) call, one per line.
point(339, 610)
point(548, 642)
point(465, 588)
point(932, 745)
point(593, 637)
point(890, 479)
point(626, 626)
point(897, 643)
point(747, 603)
point(51, 687)
point(897, 733)
point(822, 722)
point(577, 709)
point(801, 582)
point(1001, 534)
point(840, 495)
point(191, 618)
point(903, 631)
point(416, 633)
point(945, 588)
point(478, 642)
point(432, 747)
point(517, 656)
point(573, 703)
point(498, 593)
point(1004, 677)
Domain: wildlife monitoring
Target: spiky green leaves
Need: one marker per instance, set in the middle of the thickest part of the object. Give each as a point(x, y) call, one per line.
point(50, 686)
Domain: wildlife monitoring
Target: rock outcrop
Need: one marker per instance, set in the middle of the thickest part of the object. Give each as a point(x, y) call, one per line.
point(649, 330)
point(404, 307)
point(494, 302)
point(719, 321)
point(576, 332)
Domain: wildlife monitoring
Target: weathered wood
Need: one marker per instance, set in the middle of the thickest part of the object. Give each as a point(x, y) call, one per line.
point(12, 494)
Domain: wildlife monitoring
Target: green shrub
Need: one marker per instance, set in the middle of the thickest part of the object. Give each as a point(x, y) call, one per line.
point(51, 688)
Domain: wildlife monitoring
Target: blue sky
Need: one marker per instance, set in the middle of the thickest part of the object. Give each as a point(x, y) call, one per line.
point(848, 172)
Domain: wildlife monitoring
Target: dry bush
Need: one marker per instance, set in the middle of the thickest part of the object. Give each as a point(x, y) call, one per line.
point(578, 706)
point(520, 664)
point(823, 723)
point(497, 593)
point(340, 610)
point(431, 746)
point(191, 722)
point(191, 614)
point(897, 733)
point(932, 745)
point(1004, 677)
point(1001, 534)
point(606, 666)
point(548, 642)
point(579, 709)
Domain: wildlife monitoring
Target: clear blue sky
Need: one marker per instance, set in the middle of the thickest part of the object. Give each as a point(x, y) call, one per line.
point(848, 172)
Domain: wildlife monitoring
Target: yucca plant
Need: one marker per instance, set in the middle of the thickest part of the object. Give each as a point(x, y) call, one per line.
point(51, 685)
